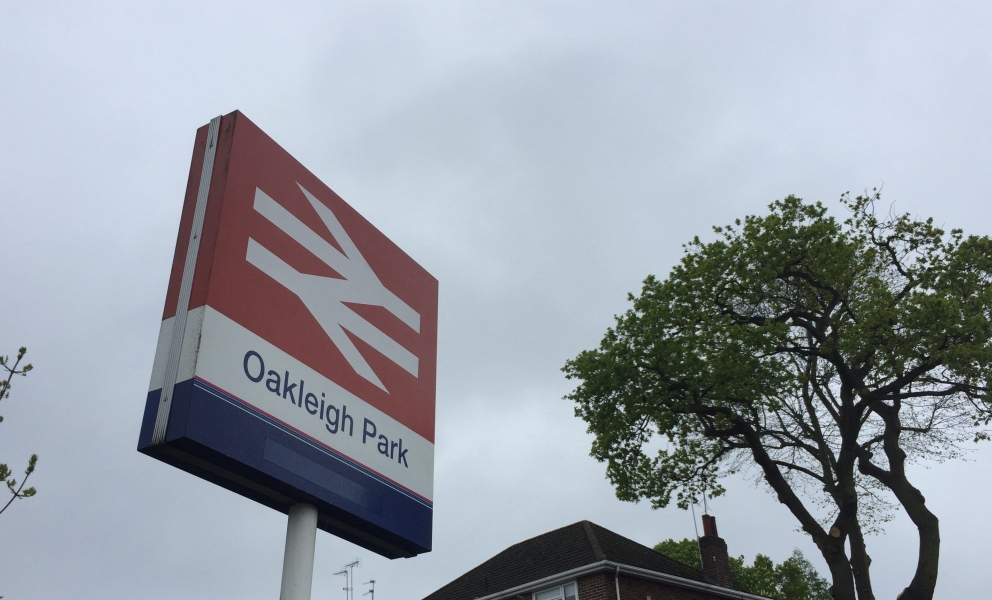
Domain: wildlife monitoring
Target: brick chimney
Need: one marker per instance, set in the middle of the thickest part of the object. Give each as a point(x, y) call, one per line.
point(713, 551)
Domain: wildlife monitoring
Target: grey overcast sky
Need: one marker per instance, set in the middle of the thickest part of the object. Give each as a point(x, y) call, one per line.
point(538, 158)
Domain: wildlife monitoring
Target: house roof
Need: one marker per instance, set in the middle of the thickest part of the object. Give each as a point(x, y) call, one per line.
point(558, 551)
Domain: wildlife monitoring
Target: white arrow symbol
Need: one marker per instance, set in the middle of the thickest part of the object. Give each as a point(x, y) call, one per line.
point(324, 297)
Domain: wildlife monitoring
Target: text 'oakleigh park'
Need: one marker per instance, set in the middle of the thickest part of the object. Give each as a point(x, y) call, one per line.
point(335, 420)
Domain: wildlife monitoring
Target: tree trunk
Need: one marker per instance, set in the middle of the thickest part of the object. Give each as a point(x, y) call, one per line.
point(841, 576)
point(925, 579)
point(860, 563)
point(832, 548)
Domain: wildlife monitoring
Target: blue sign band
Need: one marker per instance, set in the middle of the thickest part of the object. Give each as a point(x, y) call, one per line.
point(267, 461)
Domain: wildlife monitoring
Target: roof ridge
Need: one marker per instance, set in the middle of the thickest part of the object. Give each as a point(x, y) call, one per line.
point(593, 541)
point(540, 535)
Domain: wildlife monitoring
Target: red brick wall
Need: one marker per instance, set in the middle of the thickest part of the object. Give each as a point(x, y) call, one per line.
point(640, 589)
point(596, 587)
point(602, 587)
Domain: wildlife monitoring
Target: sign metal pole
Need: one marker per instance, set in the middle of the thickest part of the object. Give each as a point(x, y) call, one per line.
point(297, 565)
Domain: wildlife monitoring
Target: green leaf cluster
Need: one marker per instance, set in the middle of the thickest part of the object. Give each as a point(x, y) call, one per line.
point(793, 579)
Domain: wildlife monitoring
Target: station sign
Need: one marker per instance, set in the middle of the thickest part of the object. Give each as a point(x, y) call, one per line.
point(296, 360)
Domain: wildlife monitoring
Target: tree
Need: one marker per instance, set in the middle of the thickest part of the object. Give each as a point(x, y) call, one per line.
point(17, 491)
point(825, 356)
point(793, 579)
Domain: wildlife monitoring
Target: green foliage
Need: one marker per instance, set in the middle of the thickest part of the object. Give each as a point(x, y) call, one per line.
point(793, 579)
point(685, 551)
point(823, 356)
point(798, 579)
point(16, 490)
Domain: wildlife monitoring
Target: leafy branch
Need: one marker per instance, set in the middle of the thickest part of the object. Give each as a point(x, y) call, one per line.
point(17, 490)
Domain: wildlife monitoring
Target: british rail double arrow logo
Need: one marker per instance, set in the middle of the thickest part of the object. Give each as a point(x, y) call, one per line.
point(325, 297)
